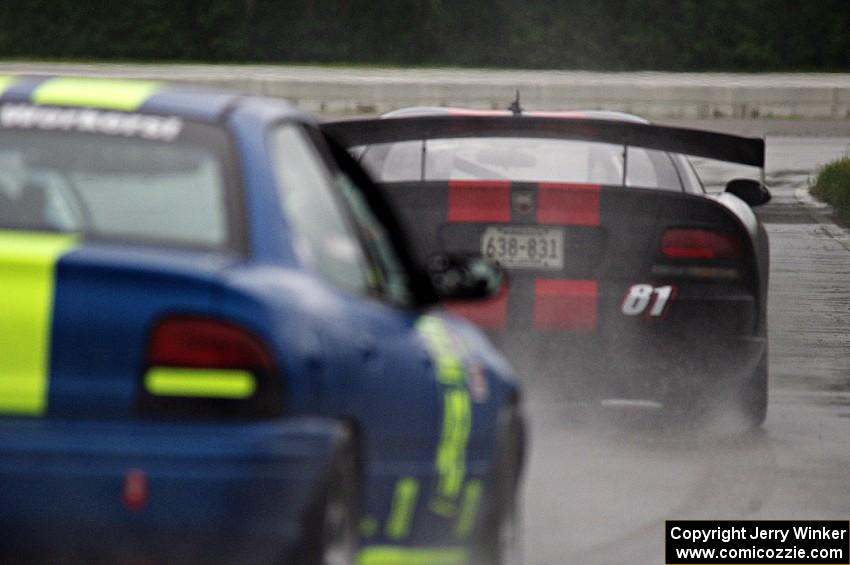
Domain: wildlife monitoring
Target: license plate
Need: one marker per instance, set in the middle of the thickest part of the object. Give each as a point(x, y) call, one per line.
point(524, 247)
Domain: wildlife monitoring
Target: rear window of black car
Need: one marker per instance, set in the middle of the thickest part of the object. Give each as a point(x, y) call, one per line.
point(518, 159)
point(175, 191)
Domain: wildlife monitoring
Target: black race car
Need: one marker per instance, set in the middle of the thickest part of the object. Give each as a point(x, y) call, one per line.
point(628, 282)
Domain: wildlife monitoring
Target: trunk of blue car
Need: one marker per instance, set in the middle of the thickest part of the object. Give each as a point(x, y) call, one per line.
point(83, 313)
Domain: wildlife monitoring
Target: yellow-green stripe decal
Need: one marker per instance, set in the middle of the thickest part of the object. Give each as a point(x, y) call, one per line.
point(450, 460)
point(404, 505)
point(469, 509)
point(451, 455)
point(394, 555)
point(6, 82)
point(109, 94)
point(27, 287)
point(201, 383)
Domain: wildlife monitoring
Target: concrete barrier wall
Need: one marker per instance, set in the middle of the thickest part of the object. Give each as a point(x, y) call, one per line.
point(334, 91)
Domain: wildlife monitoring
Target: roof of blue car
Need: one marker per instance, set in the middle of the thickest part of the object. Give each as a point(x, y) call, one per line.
point(128, 95)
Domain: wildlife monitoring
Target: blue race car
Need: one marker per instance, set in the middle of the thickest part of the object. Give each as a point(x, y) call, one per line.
point(215, 346)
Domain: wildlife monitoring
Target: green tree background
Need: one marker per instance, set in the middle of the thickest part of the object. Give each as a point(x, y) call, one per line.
point(697, 35)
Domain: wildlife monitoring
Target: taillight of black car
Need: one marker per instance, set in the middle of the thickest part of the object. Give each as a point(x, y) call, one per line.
point(699, 252)
point(691, 243)
point(204, 367)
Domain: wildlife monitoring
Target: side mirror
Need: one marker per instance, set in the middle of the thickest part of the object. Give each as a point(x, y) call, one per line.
point(750, 191)
point(464, 277)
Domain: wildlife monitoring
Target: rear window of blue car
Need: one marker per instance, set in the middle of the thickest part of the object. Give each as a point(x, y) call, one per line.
point(170, 187)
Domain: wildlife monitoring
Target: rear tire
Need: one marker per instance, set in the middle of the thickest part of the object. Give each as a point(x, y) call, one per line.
point(331, 524)
point(497, 537)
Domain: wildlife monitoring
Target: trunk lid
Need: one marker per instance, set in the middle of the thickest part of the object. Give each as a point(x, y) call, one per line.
point(609, 238)
point(76, 322)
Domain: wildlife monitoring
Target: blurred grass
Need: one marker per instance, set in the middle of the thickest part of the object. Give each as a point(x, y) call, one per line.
point(832, 185)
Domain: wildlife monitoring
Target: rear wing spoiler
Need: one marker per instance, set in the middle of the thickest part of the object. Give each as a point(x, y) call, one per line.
point(699, 143)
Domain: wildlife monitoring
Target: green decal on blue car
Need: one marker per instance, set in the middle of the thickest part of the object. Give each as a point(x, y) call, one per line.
point(109, 94)
point(6, 82)
point(395, 555)
point(27, 286)
point(450, 460)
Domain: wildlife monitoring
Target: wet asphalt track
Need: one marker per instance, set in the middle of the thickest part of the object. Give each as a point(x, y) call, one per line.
point(599, 488)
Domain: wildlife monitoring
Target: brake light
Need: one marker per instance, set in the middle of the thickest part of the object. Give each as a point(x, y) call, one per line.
point(200, 367)
point(195, 342)
point(690, 243)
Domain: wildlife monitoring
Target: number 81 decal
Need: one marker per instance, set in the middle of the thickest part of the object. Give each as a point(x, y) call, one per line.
point(647, 299)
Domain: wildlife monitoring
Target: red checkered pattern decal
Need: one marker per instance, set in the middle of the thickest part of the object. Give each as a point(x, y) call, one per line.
point(479, 201)
point(568, 204)
point(559, 304)
point(565, 304)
